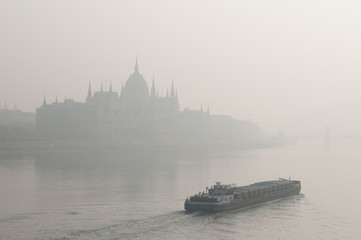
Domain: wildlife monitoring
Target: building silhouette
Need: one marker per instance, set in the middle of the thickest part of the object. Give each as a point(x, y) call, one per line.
point(138, 115)
point(16, 125)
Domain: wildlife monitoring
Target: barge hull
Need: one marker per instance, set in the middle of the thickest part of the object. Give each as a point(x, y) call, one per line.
point(192, 206)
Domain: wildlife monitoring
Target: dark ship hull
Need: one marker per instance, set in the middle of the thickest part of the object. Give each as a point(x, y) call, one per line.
point(220, 198)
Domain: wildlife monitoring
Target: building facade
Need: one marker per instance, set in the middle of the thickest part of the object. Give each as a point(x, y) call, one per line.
point(137, 115)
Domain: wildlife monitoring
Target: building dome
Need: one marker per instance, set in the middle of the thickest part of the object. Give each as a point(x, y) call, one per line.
point(135, 94)
point(136, 85)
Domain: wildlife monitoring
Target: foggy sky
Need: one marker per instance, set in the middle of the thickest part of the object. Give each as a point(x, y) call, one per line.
point(261, 60)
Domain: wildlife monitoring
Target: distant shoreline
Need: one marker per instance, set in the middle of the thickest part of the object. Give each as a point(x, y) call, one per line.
point(35, 147)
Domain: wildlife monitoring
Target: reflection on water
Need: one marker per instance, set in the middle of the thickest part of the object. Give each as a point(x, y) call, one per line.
point(140, 194)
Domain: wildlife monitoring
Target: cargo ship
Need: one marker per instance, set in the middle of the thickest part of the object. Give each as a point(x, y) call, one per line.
point(228, 197)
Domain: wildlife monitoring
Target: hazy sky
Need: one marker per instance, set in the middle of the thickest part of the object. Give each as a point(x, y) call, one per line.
point(260, 60)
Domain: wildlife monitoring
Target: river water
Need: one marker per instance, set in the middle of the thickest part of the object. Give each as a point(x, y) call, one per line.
point(140, 194)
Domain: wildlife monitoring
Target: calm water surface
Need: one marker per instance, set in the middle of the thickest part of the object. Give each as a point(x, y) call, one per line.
point(140, 195)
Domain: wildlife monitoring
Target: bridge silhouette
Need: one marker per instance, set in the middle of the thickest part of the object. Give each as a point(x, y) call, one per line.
point(327, 133)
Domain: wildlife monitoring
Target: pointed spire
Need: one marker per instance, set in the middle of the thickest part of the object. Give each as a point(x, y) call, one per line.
point(89, 92)
point(101, 87)
point(176, 100)
point(56, 99)
point(110, 87)
point(152, 91)
point(172, 90)
point(44, 101)
point(136, 64)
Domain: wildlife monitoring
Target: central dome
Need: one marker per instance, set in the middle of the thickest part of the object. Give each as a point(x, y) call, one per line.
point(135, 93)
point(136, 85)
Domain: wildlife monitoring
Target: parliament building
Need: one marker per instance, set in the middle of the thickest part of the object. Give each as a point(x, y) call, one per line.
point(138, 115)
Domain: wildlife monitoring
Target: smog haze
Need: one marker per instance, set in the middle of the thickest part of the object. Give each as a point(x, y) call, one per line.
point(269, 61)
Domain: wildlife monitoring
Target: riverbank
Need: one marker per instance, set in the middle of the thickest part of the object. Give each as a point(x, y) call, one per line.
point(36, 147)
